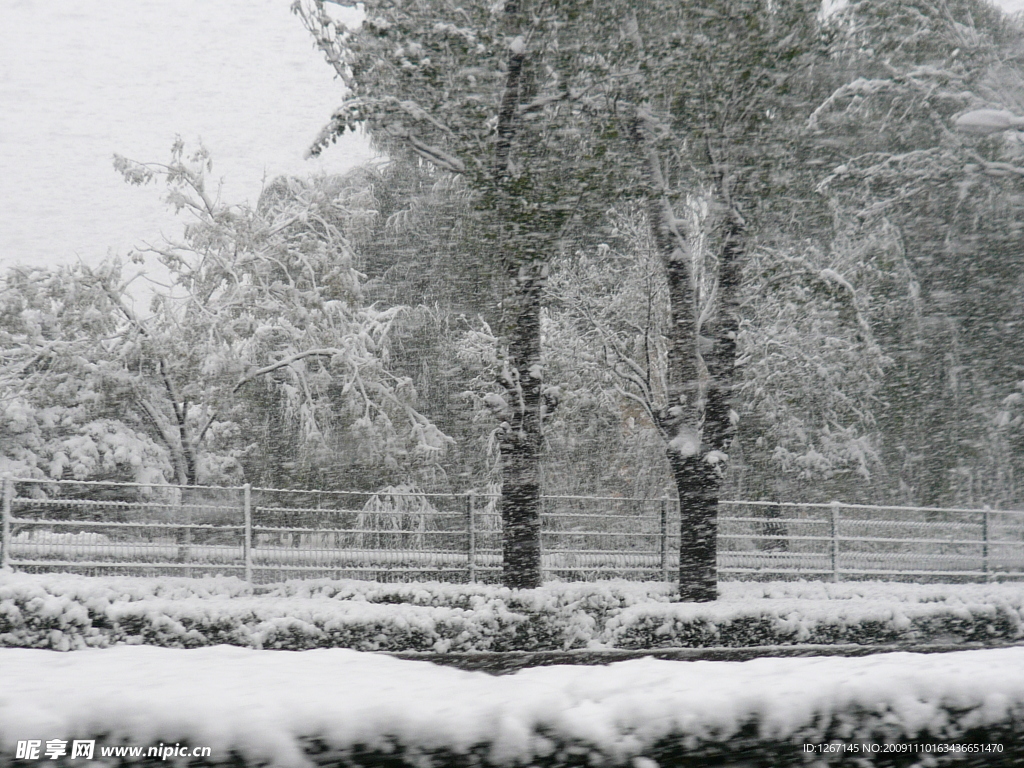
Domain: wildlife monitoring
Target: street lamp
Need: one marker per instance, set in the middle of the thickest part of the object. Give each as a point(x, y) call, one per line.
point(983, 122)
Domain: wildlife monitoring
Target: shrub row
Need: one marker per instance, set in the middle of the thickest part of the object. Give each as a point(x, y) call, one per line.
point(782, 622)
point(336, 707)
point(66, 612)
point(746, 750)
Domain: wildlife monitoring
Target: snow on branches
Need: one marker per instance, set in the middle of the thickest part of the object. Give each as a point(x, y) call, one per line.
point(263, 329)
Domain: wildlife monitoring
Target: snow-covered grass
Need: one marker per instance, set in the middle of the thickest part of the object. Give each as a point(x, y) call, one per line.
point(340, 707)
point(72, 612)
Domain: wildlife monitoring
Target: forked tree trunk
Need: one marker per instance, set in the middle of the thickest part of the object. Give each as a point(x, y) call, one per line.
point(699, 477)
point(696, 423)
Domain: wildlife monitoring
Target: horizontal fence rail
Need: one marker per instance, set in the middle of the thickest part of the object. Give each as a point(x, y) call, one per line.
point(264, 534)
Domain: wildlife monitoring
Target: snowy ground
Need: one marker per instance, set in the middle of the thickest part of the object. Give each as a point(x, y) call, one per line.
point(271, 707)
point(329, 704)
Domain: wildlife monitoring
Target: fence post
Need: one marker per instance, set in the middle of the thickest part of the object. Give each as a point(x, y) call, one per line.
point(835, 540)
point(664, 539)
point(247, 533)
point(183, 535)
point(984, 542)
point(5, 522)
point(471, 535)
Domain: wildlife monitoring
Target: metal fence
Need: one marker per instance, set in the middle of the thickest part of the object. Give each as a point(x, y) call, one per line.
point(858, 541)
point(265, 535)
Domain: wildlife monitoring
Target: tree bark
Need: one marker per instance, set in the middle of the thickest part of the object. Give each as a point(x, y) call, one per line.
point(699, 477)
point(526, 235)
point(697, 487)
point(520, 441)
point(679, 421)
point(697, 422)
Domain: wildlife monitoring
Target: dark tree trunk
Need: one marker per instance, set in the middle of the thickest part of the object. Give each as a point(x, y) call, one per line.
point(680, 422)
point(697, 422)
point(520, 515)
point(526, 238)
point(521, 439)
point(698, 562)
point(697, 484)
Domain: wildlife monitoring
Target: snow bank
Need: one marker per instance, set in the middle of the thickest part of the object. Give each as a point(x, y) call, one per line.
point(333, 706)
point(75, 612)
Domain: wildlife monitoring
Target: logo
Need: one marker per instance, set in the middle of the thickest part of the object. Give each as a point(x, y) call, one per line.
point(30, 749)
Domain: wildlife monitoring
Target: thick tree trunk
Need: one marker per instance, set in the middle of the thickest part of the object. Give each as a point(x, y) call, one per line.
point(704, 483)
point(521, 438)
point(700, 490)
point(526, 235)
point(697, 422)
point(720, 360)
point(697, 481)
point(520, 515)
point(697, 484)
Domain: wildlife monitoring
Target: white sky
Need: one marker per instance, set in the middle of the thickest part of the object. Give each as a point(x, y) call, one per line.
point(83, 79)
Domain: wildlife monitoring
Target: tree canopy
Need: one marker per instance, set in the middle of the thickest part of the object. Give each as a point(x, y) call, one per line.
point(743, 248)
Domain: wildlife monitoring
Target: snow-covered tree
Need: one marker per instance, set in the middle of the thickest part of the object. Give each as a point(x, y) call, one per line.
point(71, 404)
point(952, 203)
point(606, 332)
point(812, 370)
point(706, 99)
point(267, 299)
point(477, 90)
point(263, 333)
point(808, 367)
point(547, 111)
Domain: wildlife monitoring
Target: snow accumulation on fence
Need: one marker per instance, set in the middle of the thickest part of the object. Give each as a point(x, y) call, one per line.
point(317, 707)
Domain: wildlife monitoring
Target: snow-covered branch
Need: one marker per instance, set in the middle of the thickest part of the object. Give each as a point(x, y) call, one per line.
point(284, 363)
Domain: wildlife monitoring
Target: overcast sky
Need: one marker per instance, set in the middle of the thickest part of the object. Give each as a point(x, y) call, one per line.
point(83, 79)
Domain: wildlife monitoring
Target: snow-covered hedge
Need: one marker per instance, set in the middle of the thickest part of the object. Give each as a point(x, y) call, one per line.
point(812, 621)
point(71, 612)
point(343, 708)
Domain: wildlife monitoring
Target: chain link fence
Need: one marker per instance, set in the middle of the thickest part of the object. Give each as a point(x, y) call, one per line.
point(397, 534)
